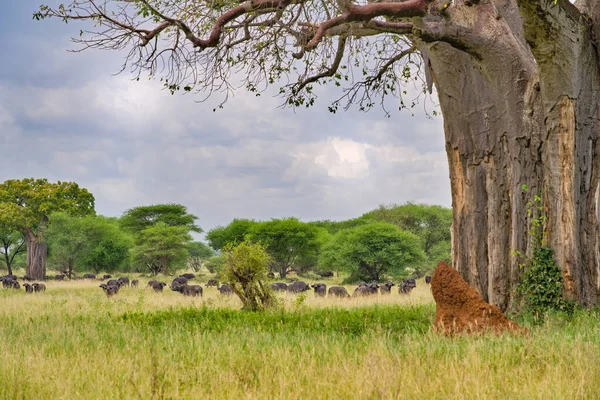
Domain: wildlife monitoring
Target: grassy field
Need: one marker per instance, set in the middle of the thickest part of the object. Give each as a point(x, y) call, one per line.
point(73, 343)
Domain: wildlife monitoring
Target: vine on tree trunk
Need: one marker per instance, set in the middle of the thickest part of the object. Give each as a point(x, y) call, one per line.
point(540, 286)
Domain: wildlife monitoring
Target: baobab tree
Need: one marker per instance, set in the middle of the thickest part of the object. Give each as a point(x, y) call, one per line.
point(517, 81)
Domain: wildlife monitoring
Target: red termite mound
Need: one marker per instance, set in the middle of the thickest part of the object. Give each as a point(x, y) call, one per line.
point(460, 309)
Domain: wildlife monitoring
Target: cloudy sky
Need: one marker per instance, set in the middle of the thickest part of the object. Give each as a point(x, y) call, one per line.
point(64, 116)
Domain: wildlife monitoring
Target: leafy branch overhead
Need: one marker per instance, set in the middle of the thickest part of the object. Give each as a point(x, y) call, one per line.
point(218, 46)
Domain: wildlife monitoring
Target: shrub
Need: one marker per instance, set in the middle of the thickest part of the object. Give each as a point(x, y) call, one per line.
point(245, 269)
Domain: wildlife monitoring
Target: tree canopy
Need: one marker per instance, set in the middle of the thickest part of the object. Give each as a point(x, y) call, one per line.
point(26, 204)
point(234, 233)
point(198, 253)
point(371, 251)
point(139, 218)
point(84, 243)
point(289, 242)
point(162, 248)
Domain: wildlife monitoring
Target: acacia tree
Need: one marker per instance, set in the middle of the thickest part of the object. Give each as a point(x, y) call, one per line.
point(161, 233)
point(517, 81)
point(25, 206)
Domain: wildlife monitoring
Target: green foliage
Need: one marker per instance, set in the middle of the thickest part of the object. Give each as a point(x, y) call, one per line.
point(139, 218)
point(198, 253)
point(27, 203)
point(161, 234)
point(215, 264)
point(82, 243)
point(109, 248)
point(12, 244)
point(289, 242)
point(245, 270)
point(162, 248)
point(540, 288)
point(234, 233)
point(431, 223)
point(354, 322)
point(334, 227)
point(370, 251)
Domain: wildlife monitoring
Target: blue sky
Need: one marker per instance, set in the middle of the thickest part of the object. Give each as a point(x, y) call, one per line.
point(65, 116)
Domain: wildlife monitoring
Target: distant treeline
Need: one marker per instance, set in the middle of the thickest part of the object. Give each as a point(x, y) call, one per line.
point(57, 224)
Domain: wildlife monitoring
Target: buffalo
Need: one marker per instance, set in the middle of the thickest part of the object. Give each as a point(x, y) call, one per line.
point(406, 286)
point(325, 274)
point(428, 279)
point(39, 287)
point(279, 286)
point(158, 286)
point(386, 288)
point(114, 282)
point(320, 289)
point(124, 280)
point(60, 277)
point(16, 285)
point(179, 281)
point(104, 277)
point(135, 283)
point(188, 276)
point(187, 290)
point(367, 290)
point(152, 282)
point(28, 288)
point(212, 282)
point(298, 287)
point(89, 276)
point(338, 291)
point(110, 290)
point(192, 290)
point(7, 282)
point(225, 290)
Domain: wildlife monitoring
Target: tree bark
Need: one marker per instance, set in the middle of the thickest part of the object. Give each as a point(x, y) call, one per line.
point(520, 107)
point(37, 251)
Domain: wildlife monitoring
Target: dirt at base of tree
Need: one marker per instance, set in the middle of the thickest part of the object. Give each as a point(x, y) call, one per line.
point(460, 309)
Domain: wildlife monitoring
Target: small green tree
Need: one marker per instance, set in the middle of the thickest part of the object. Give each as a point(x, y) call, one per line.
point(245, 269)
point(288, 242)
point(12, 243)
point(198, 253)
point(161, 234)
point(431, 223)
point(86, 242)
point(370, 251)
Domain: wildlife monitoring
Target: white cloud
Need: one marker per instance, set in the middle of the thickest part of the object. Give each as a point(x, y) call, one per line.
point(132, 143)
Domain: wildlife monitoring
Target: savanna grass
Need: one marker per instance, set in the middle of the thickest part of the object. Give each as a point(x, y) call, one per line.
point(73, 343)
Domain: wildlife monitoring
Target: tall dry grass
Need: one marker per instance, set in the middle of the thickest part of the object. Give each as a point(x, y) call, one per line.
point(73, 343)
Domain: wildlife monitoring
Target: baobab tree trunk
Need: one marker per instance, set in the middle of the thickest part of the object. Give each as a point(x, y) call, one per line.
point(37, 250)
point(520, 103)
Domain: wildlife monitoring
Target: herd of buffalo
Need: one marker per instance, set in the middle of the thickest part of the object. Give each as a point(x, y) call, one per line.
point(180, 284)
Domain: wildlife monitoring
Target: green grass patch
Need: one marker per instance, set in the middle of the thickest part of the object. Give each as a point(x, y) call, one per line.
point(353, 321)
